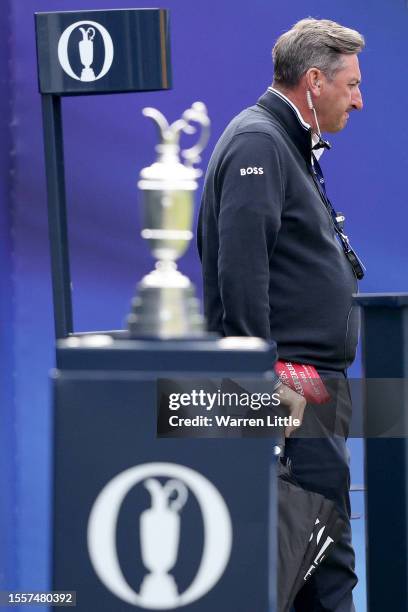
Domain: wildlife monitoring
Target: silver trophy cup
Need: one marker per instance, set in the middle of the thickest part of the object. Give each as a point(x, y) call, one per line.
point(165, 305)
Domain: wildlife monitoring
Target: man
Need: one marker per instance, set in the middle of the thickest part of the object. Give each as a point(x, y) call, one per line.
point(276, 263)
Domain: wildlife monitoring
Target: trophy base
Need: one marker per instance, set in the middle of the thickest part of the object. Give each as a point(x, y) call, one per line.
point(87, 74)
point(159, 591)
point(165, 306)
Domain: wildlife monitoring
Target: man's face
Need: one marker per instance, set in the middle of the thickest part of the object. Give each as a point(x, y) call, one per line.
point(340, 96)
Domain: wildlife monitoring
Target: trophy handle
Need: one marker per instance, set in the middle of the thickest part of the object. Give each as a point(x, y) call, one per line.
point(198, 114)
point(160, 121)
point(170, 134)
point(88, 34)
point(180, 489)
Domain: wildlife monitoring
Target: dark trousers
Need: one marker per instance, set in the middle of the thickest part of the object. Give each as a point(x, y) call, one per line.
point(320, 463)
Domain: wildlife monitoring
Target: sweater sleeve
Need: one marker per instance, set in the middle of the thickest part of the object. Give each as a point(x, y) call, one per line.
point(250, 186)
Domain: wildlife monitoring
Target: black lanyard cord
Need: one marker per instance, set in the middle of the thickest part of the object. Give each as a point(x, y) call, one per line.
point(356, 263)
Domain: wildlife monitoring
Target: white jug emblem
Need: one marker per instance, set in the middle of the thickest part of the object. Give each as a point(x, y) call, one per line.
point(88, 30)
point(160, 526)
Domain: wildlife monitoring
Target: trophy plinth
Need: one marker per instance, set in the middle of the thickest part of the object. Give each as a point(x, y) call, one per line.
point(87, 74)
point(165, 305)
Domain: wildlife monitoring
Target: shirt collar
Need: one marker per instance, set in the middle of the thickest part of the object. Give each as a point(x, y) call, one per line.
point(295, 108)
point(315, 138)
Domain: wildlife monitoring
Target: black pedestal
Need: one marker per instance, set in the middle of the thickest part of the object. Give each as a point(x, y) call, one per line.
point(147, 523)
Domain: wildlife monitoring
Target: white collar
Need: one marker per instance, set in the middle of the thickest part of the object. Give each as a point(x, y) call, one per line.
point(307, 126)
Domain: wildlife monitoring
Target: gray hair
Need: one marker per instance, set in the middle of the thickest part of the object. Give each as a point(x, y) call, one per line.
point(313, 43)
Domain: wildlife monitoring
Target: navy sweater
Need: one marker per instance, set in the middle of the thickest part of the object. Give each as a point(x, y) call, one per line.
point(272, 265)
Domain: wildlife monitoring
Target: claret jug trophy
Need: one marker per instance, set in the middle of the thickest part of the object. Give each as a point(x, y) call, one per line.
point(165, 305)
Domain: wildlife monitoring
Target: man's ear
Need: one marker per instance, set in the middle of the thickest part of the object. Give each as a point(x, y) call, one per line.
point(314, 81)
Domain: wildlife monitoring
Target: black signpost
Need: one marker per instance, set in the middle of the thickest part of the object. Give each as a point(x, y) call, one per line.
point(80, 54)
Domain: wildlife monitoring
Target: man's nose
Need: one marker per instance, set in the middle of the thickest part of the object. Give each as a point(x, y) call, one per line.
point(357, 100)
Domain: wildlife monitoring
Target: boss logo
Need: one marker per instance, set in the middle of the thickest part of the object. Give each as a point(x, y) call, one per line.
point(245, 171)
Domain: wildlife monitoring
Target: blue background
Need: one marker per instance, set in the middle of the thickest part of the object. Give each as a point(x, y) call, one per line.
point(221, 55)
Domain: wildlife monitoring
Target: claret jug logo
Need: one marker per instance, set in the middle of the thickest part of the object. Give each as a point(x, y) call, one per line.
point(160, 528)
point(85, 51)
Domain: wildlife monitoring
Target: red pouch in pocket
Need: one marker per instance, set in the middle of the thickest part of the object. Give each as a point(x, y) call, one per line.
point(304, 379)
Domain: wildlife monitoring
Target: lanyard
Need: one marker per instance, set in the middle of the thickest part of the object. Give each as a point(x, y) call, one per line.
point(355, 261)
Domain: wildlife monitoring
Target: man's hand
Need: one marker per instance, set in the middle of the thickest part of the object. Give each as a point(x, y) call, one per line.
point(295, 404)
